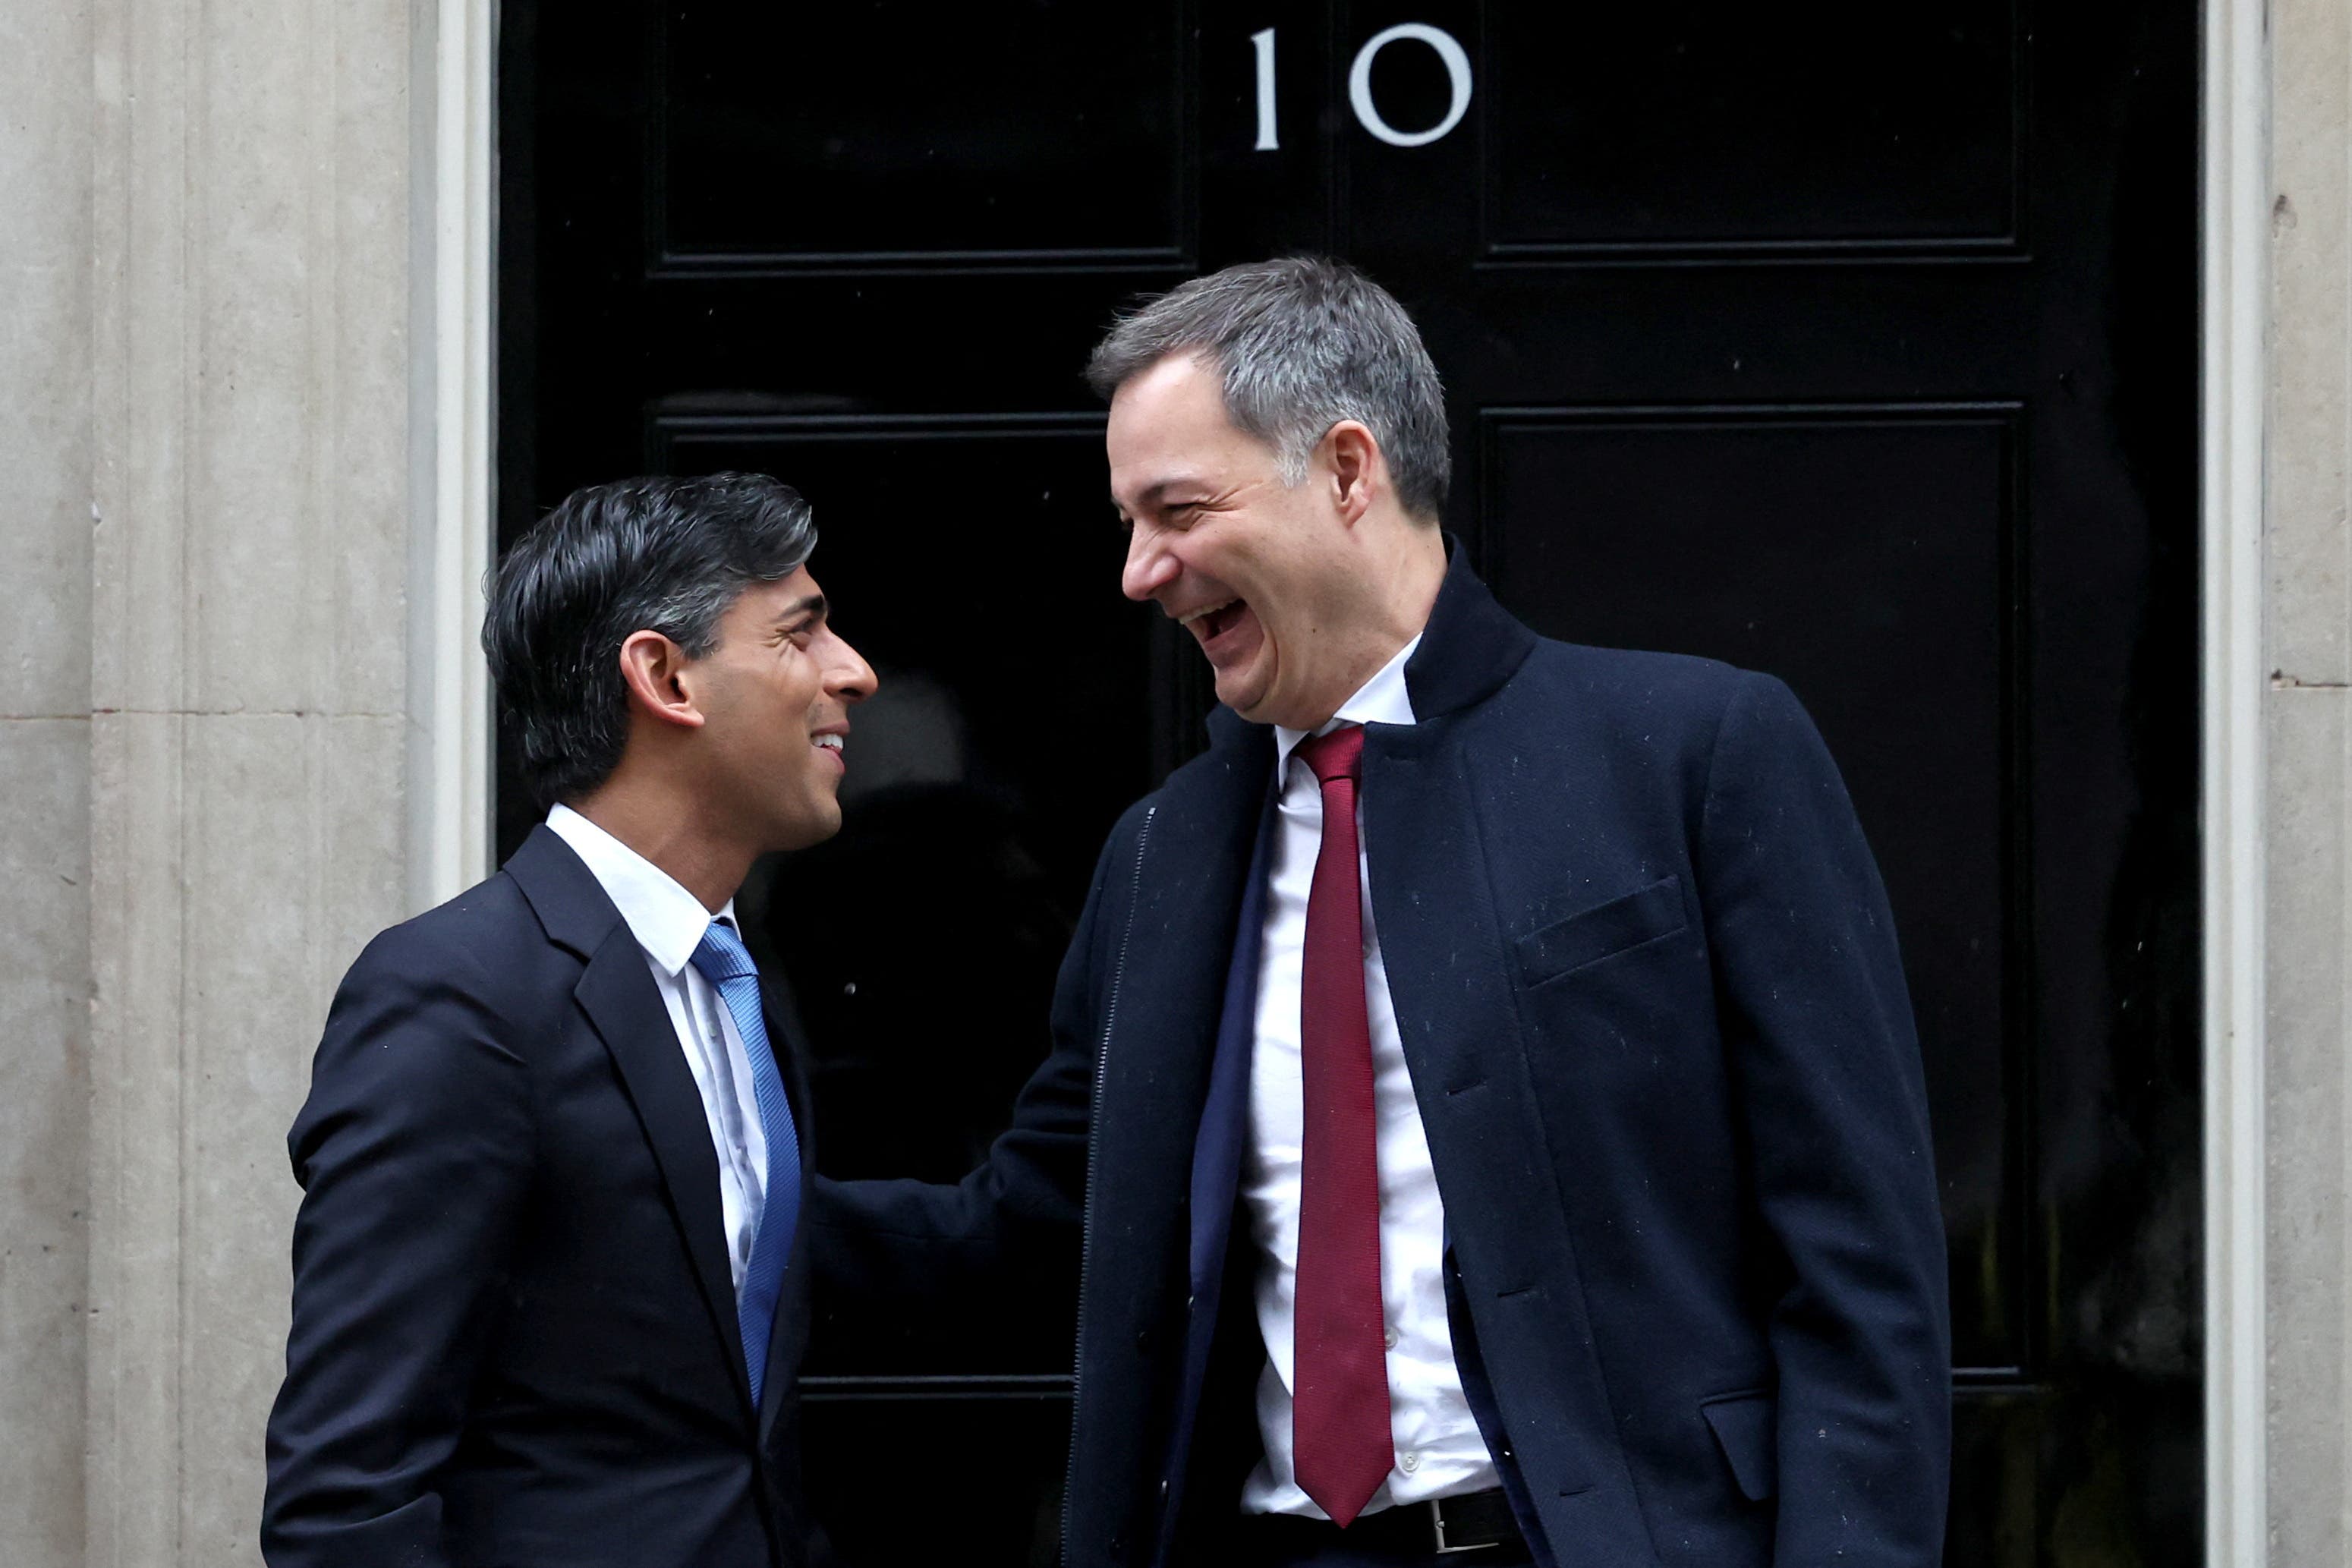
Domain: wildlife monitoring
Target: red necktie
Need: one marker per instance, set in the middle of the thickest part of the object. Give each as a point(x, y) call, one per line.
point(1339, 1412)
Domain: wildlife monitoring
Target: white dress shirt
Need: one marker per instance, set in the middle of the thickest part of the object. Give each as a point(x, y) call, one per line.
point(668, 923)
point(1439, 1451)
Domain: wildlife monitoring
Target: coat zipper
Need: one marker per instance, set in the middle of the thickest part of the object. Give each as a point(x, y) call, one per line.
point(1086, 1211)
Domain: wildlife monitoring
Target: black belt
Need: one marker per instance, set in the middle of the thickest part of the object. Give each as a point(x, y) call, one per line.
point(1479, 1523)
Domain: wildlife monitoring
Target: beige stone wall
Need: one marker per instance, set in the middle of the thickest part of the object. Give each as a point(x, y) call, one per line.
point(205, 382)
point(45, 666)
point(250, 686)
point(2308, 915)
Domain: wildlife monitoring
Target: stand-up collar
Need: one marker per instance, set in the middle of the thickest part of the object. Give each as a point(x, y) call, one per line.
point(1471, 646)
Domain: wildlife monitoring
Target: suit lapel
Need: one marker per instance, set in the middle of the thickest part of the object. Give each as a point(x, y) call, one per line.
point(618, 996)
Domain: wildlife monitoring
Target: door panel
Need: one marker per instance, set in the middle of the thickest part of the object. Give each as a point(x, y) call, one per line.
point(783, 138)
point(1702, 129)
point(1853, 343)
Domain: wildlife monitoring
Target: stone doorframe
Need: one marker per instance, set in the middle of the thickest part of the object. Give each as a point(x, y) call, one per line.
point(2246, 608)
point(453, 542)
point(2235, 229)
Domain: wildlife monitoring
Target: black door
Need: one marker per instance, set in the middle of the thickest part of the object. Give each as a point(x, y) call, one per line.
point(1853, 342)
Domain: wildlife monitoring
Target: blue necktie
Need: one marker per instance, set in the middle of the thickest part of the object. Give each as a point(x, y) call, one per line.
point(724, 962)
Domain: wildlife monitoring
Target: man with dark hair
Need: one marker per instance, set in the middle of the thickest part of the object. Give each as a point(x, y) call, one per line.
point(1504, 1135)
point(547, 1289)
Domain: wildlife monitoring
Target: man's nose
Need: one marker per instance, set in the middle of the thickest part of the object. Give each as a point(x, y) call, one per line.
point(849, 677)
point(1150, 567)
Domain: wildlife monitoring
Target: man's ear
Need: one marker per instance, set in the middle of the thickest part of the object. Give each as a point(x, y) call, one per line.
point(653, 668)
point(1352, 458)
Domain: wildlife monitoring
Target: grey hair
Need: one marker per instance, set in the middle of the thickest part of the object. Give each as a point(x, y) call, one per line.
point(1302, 342)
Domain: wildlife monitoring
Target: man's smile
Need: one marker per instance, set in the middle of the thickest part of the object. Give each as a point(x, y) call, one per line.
point(1211, 624)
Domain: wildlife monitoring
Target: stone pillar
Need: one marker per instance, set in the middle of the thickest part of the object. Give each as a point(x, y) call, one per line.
point(2309, 721)
point(44, 723)
point(248, 693)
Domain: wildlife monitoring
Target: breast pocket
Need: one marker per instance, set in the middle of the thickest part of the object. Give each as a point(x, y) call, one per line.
point(1590, 935)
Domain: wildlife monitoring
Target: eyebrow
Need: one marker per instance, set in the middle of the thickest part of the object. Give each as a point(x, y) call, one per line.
point(812, 607)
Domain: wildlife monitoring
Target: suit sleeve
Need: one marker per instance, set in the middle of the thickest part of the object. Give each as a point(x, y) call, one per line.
point(414, 1153)
point(1825, 1062)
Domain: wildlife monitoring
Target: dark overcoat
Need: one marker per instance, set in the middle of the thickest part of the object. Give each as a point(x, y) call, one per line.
point(1649, 994)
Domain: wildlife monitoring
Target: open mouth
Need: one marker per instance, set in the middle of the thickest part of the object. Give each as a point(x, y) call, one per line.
point(829, 744)
point(1217, 620)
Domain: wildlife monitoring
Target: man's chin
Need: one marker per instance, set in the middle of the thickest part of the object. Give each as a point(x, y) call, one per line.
point(807, 828)
point(1260, 703)
point(1251, 708)
point(1243, 691)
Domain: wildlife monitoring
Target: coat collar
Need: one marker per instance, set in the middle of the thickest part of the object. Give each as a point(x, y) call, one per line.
point(1469, 648)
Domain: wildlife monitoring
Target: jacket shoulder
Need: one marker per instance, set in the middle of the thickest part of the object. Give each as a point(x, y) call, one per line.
point(473, 940)
point(1663, 696)
point(1641, 675)
point(430, 1020)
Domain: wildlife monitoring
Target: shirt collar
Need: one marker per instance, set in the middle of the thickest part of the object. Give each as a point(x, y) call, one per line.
point(1383, 699)
point(667, 922)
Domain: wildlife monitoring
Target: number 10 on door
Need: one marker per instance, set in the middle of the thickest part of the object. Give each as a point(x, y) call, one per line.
point(1449, 51)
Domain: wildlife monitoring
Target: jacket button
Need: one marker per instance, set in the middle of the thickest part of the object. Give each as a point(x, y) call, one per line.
point(1119, 1546)
point(1143, 1341)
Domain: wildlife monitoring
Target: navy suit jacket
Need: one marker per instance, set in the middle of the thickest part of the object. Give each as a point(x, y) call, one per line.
point(514, 1338)
point(1650, 1001)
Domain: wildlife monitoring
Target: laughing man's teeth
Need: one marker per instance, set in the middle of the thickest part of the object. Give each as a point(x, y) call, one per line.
point(830, 743)
point(1205, 610)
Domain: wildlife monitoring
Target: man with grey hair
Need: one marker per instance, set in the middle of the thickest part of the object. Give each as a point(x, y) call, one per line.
point(546, 1304)
point(1507, 1137)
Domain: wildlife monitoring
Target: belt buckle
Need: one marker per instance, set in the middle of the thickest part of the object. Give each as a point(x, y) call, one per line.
point(1437, 1529)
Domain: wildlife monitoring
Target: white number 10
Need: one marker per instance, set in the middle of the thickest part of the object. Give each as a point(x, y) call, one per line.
point(1264, 41)
point(1359, 85)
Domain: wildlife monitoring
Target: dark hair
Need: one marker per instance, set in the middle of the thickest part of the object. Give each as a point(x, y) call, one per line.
point(1303, 342)
point(664, 555)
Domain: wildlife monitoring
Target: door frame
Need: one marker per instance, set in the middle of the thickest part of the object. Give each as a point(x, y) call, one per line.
point(450, 774)
point(2234, 308)
point(453, 328)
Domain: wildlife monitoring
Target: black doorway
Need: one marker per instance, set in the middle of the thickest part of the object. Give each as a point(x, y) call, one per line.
point(1855, 344)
